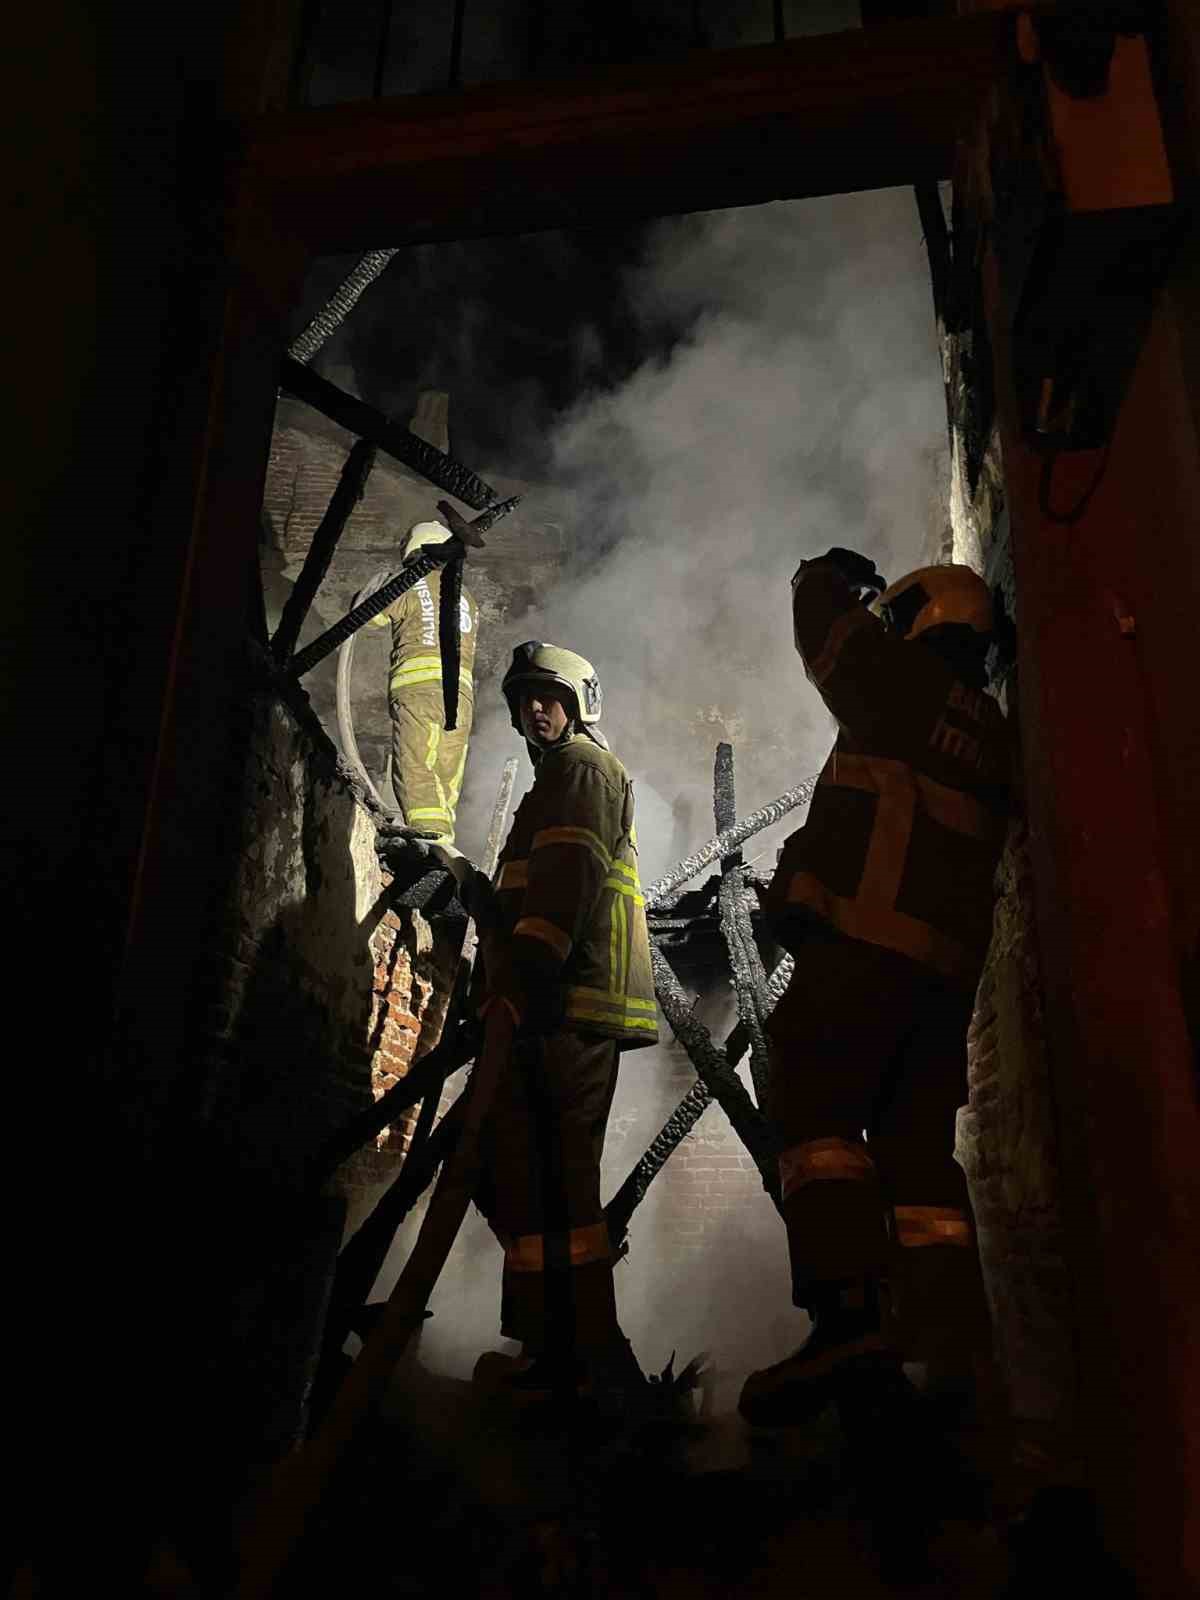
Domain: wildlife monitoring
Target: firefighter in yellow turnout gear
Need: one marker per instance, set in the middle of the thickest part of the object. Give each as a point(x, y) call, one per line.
point(427, 759)
point(569, 955)
point(885, 898)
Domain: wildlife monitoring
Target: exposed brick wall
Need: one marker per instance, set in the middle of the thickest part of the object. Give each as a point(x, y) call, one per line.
point(410, 991)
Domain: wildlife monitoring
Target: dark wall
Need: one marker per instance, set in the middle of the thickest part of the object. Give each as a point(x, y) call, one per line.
point(119, 297)
point(122, 286)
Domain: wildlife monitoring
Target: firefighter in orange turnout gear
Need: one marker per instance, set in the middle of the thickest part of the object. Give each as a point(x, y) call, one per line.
point(569, 955)
point(885, 899)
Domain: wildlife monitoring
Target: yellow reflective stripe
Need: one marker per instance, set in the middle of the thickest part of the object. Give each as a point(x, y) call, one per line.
point(621, 1019)
point(626, 871)
point(428, 669)
point(623, 888)
point(457, 780)
point(379, 620)
point(539, 928)
point(431, 755)
point(622, 976)
point(583, 836)
point(428, 675)
point(527, 1253)
point(953, 809)
point(513, 875)
point(924, 1225)
point(819, 1160)
point(411, 663)
point(883, 925)
point(403, 680)
point(437, 813)
point(602, 997)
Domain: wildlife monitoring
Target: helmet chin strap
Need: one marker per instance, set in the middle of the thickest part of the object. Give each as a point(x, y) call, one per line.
point(538, 750)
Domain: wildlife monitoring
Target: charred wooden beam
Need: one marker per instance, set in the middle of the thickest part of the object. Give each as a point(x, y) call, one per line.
point(394, 440)
point(272, 1531)
point(715, 1072)
point(725, 802)
point(431, 557)
point(739, 1039)
point(362, 1258)
point(725, 843)
point(339, 306)
point(620, 1209)
point(351, 485)
point(450, 1052)
point(450, 640)
point(749, 979)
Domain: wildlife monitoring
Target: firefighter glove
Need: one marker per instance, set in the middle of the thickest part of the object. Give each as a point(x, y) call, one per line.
point(859, 571)
point(402, 852)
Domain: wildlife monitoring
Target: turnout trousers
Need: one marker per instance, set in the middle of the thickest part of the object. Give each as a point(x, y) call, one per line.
point(543, 1174)
point(427, 761)
point(868, 1069)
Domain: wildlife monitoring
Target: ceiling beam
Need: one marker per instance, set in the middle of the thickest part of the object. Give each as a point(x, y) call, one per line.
point(821, 115)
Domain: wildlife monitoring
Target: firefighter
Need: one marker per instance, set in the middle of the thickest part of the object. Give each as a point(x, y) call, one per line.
point(885, 899)
point(568, 954)
point(427, 758)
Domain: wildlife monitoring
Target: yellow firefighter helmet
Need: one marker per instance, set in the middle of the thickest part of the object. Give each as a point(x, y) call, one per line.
point(535, 662)
point(932, 597)
point(422, 533)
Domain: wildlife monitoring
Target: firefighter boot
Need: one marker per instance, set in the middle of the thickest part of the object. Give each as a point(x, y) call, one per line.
point(847, 1340)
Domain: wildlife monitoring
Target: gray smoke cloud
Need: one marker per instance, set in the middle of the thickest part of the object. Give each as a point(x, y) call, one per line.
point(802, 409)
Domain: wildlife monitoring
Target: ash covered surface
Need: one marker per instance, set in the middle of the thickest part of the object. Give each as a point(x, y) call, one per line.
point(458, 1490)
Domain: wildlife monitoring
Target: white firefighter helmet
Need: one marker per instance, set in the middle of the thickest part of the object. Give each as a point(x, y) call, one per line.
point(534, 662)
point(422, 533)
point(932, 597)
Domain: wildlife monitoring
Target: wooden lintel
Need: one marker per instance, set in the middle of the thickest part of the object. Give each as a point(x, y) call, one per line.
point(821, 115)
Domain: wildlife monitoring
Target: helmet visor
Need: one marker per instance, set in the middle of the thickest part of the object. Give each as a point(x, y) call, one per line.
point(900, 613)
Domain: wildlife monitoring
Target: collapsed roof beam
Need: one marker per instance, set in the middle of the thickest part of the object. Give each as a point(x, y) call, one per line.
point(356, 416)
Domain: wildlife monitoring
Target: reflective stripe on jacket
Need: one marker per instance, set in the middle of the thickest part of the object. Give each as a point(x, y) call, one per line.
point(414, 622)
point(907, 823)
point(568, 891)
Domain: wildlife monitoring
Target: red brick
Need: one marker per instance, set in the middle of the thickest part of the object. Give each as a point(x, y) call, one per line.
point(399, 1014)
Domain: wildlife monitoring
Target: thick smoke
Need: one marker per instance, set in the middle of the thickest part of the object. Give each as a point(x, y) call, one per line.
point(801, 408)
